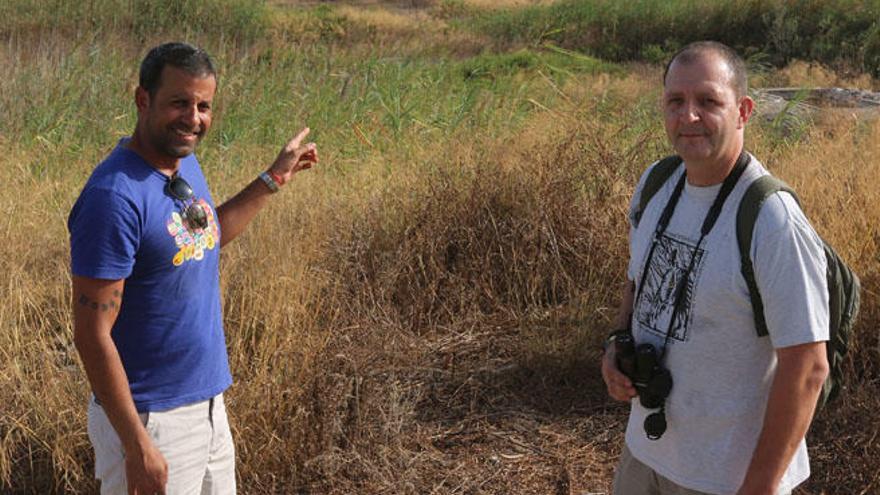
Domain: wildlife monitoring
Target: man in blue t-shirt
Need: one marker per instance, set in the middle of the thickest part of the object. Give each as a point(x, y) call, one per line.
point(145, 239)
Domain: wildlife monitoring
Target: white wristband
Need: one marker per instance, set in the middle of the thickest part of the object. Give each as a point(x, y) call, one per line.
point(269, 181)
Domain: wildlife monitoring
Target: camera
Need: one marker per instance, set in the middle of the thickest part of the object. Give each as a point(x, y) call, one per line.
point(641, 364)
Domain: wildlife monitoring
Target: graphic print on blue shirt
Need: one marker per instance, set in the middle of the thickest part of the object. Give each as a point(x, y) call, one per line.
point(668, 265)
point(193, 242)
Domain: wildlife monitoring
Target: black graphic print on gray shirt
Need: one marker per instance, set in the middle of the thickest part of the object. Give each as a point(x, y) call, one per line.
point(668, 265)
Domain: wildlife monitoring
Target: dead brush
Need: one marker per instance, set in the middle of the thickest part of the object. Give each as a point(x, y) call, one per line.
point(42, 439)
point(484, 244)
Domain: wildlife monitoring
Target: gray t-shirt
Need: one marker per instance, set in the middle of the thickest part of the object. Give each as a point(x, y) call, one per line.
point(722, 371)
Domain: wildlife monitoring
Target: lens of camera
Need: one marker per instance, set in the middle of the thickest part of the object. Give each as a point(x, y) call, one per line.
point(660, 384)
point(650, 401)
point(655, 425)
point(624, 353)
point(646, 362)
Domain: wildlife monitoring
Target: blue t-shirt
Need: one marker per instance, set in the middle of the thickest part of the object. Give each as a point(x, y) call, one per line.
point(169, 330)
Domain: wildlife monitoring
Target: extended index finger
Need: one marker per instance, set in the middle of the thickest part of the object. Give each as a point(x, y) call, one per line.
point(294, 143)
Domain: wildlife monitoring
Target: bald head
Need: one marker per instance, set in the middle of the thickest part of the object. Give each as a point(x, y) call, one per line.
point(739, 78)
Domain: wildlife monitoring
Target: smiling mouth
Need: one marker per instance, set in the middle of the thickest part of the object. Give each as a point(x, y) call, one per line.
point(186, 134)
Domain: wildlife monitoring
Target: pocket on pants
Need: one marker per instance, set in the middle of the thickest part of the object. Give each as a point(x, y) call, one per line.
point(105, 441)
point(145, 419)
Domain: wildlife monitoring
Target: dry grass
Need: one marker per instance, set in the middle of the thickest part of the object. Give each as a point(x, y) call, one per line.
point(814, 75)
point(421, 317)
point(417, 4)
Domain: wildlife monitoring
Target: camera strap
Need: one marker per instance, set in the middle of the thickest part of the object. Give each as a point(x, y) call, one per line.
point(711, 217)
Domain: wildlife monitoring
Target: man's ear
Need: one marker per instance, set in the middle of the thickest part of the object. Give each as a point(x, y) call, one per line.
point(746, 106)
point(141, 99)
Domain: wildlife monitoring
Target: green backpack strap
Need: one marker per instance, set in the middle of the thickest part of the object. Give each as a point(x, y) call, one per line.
point(655, 180)
point(746, 216)
point(843, 285)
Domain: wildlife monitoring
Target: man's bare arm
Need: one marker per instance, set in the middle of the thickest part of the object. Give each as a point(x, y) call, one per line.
point(96, 304)
point(800, 373)
point(236, 213)
point(624, 311)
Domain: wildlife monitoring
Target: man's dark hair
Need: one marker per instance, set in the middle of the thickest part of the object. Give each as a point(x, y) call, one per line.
point(697, 49)
point(191, 59)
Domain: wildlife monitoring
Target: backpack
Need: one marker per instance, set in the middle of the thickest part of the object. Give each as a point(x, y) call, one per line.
point(843, 284)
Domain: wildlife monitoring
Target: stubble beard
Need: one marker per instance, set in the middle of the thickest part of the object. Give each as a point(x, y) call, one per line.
point(700, 148)
point(164, 142)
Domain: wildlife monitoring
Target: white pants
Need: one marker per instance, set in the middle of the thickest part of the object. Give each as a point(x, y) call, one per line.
point(194, 439)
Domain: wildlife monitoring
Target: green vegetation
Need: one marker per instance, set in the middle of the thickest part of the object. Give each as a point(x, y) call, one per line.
point(236, 19)
point(552, 60)
point(844, 33)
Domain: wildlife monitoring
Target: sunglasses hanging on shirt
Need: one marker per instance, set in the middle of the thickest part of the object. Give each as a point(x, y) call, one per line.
point(193, 213)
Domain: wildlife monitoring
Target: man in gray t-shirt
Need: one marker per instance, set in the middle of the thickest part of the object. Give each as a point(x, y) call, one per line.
point(735, 418)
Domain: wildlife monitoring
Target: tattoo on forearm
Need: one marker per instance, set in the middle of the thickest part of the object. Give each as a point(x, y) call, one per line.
point(94, 305)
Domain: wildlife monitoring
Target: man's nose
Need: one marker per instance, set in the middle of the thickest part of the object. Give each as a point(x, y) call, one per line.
point(689, 112)
point(192, 116)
